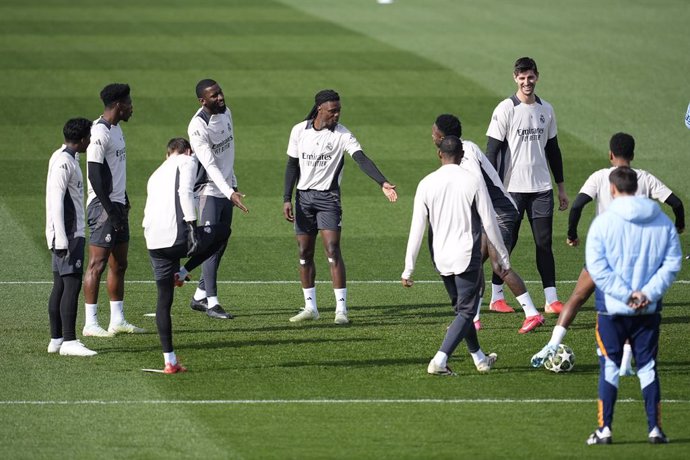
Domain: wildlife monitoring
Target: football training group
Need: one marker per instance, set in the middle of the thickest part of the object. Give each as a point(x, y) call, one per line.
point(472, 207)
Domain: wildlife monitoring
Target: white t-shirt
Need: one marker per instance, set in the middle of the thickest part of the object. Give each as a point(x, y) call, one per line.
point(320, 154)
point(451, 199)
point(213, 142)
point(598, 187)
point(64, 199)
point(526, 128)
point(107, 147)
point(167, 208)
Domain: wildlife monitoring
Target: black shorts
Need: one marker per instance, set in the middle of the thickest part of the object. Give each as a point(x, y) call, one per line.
point(166, 261)
point(506, 224)
point(71, 263)
point(102, 233)
point(537, 205)
point(317, 210)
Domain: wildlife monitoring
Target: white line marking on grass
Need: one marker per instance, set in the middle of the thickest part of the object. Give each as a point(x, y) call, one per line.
point(88, 402)
point(297, 282)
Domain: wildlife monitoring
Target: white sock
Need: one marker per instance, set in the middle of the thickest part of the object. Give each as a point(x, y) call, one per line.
point(496, 292)
point(199, 294)
point(340, 300)
point(90, 314)
point(440, 359)
point(527, 304)
point(183, 273)
point(478, 356)
point(117, 314)
point(68, 343)
point(170, 358)
point(310, 298)
point(57, 342)
point(550, 295)
point(479, 307)
point(212, 301)
point(557, 336)
point(626, 361)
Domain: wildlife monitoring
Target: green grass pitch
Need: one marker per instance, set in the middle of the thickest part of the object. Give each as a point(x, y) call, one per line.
point(258, 386)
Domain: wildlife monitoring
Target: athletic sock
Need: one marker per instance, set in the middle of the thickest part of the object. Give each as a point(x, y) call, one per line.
point(170, 358)
point(478, 356)
point(90, 314)
point(310, 298)
point(626, 361)
point(199, 294)
point(57, 342)
point(557, 336)
point(117, 314)
point(340, 300)
point(550, 295)
point(441, 359)
point(183, 273)
point(212, 301)
point(527, 304)
point(496, 292)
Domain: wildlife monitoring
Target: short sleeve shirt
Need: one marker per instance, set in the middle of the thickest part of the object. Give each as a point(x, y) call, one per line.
point(107, 147)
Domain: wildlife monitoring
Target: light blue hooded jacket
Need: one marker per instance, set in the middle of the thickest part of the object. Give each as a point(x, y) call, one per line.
point(633, 246)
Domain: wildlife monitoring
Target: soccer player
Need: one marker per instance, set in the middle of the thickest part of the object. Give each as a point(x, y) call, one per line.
point(212, 136)
point(633, 255)
point(455, 203)
point(65, 237)
point(506, 216)
point(315, 163)
point(597, 187)
point(171, 234)
point(522, 146)
point(107, 212)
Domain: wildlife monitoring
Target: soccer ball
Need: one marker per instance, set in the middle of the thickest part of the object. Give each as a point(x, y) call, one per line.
point(562, 361)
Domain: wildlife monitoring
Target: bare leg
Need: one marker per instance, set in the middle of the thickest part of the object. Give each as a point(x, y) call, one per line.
point(583, 290)
point(117, 266)
point(307, 268)
point(98, 257)
point(331, 244)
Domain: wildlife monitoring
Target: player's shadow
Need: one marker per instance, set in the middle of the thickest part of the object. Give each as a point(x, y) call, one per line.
point(356, 363)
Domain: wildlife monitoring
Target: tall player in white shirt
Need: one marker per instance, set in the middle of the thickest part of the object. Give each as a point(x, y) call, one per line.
point(65, 237)
point(522, 145)
point(107, 211)
point(455, 203)
point(212, 136)
point(316, 152)
point(597, 187)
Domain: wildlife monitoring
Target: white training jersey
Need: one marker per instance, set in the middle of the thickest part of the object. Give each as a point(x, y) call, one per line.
point(526, 128)
point(213, 142)
point(64, 198)
point(170, 202)
point(107, 147)
point(456, 204)
point(475, 161)
point(320, 154)
point(597, 186)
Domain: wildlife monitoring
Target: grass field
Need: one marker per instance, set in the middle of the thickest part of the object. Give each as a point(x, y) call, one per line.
point(258, 386)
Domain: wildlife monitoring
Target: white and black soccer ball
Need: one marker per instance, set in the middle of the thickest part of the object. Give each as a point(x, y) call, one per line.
point(562, 361)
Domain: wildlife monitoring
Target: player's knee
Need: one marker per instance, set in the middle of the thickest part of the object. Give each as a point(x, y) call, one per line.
point(647, 374)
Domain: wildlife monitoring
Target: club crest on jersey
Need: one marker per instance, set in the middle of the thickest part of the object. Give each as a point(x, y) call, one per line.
point(78, 263)
point(542, 119)
point(329, 146)
point(108, 238)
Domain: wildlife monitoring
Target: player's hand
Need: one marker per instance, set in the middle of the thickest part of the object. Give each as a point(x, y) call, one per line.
point(287, 212)
point(540, 358)
point(192, 241)
point(388, 189)
point(638, 300)
point(60, 252)
point(563, 200)
point(117, 219)
point(236, 199)
point(407, 282)
point(572, 242)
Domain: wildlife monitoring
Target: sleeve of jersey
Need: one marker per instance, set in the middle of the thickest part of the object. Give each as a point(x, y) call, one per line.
point(575, 213)
point(657, 189)
point(488, 215)
point(186, 188)
point(498, 126)
point(293, 142)
point(598, 266)
point(95, 152)
point(417, 227)
point(198, 138)
point(57, 188)
point(553, 156)
point(368, 166)
point(664, 276)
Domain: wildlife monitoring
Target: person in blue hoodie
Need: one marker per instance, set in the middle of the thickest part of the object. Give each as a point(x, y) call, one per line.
point(633, 255)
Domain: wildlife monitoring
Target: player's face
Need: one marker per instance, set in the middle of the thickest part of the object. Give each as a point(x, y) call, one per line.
point(436, 135)
point(213, 99)
point(125, 109)
point(328, 114)
point(526, 82)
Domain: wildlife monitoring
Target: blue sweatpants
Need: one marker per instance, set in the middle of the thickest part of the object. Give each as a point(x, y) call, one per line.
point(643, 332)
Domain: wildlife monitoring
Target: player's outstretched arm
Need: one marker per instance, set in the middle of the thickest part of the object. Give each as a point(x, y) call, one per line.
point(388, 189)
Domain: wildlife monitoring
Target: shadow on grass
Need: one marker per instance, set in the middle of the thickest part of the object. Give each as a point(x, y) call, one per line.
point(357, 363)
